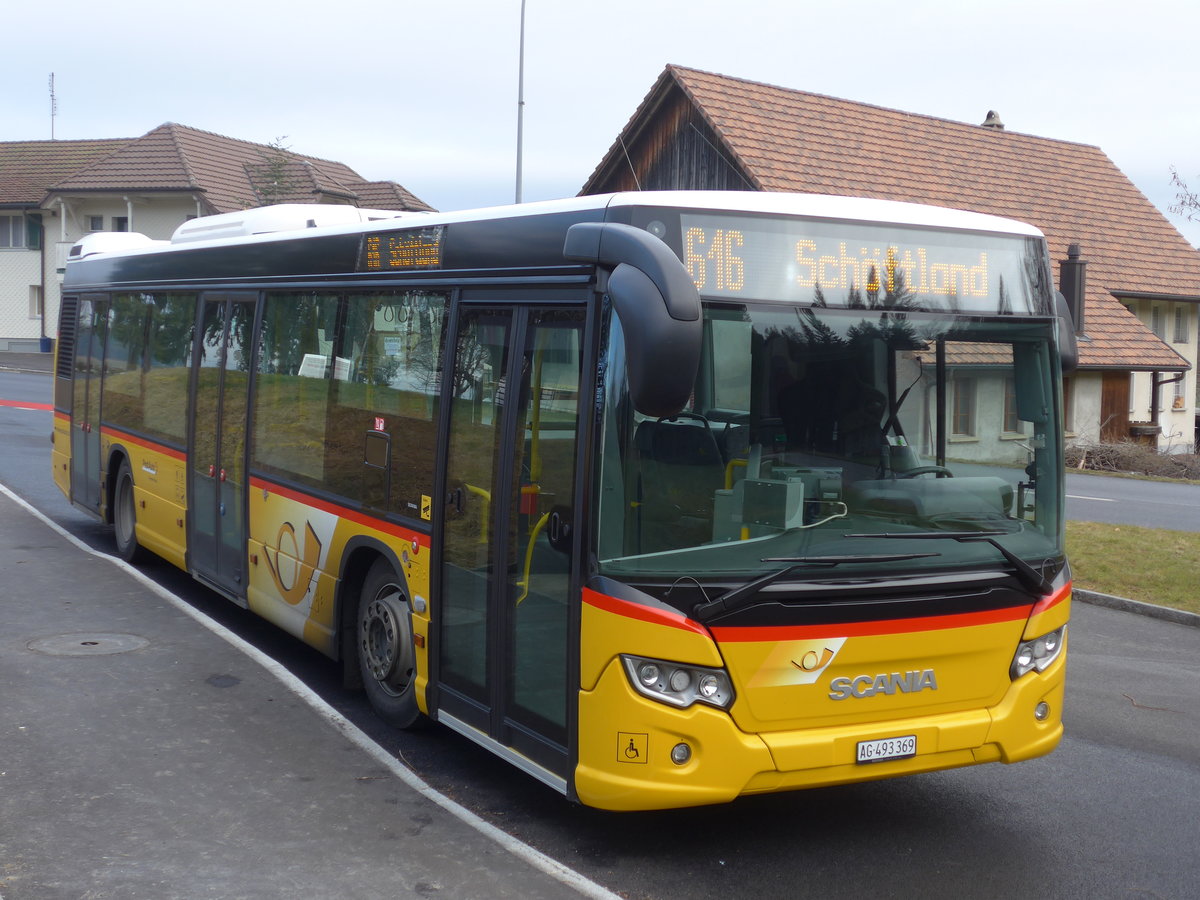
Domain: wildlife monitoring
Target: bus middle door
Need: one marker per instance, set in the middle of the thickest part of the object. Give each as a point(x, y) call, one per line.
point(217, 469)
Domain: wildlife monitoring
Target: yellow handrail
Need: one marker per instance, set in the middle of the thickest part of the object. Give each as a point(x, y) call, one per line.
point(484, 509)
point(533, 536)
point(733, 464)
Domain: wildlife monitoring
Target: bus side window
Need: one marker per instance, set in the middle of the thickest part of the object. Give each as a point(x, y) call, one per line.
point(170, 333)
point(124, 379)
point(292, 398)
point(384, 412)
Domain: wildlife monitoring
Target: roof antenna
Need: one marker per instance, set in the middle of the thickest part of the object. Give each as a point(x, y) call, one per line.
point(632, 170)
point(53, 106)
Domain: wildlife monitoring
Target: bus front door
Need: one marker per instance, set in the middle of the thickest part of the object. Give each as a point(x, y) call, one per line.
point(216, 470)
point(504, 625)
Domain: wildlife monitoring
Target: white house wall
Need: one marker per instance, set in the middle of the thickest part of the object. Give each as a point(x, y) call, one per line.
point(155, 217)
point(1178, 423)
point(1083, 424)
point(19, 329)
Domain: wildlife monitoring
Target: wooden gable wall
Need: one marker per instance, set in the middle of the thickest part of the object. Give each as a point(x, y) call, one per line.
point(676, 150)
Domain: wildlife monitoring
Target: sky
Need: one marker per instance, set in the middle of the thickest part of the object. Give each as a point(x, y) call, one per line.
point(426, 94)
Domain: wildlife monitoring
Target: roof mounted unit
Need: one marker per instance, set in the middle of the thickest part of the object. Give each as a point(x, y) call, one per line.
point(109, 242)
point(281, 217)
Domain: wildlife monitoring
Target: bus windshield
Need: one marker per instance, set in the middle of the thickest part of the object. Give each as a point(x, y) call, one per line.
point(813, 430)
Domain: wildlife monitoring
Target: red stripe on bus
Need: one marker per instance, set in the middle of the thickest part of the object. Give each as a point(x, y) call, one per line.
point(868, 629)
point(22, 404)
point(1052, 600)
point(642, 613)
point(340, 511)
point(146, 444)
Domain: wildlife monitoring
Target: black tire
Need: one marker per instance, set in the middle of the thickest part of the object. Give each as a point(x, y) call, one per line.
point(125, 517)
point(387, 657)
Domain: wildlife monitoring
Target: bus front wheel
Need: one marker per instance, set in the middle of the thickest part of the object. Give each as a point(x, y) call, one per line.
point(384, 640)
point(125, 516)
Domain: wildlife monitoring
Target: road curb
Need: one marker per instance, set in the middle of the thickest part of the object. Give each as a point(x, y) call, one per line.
point(1178, 616)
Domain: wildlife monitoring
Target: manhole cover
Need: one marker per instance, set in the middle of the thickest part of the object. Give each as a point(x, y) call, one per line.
point(87, 644)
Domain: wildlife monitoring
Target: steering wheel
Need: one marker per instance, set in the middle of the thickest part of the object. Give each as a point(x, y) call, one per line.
point(939, 471)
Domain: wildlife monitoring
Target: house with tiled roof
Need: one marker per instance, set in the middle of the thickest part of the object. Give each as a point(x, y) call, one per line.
point(54, 192)
point(1138, 328)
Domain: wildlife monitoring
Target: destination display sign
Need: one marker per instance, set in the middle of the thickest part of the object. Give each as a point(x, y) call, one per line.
point(403, 249)
point(860, 264)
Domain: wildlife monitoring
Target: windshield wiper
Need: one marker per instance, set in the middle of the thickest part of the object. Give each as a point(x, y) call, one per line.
point(740, 596)
point(1030, 577)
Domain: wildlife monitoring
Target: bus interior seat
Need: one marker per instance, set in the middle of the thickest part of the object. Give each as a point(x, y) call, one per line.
point(733, 441)
point(681, 470)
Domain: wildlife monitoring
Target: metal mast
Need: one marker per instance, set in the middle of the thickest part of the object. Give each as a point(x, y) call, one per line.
point(520, 100)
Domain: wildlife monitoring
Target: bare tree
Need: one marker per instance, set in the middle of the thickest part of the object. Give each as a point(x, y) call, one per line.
point(1187, 202)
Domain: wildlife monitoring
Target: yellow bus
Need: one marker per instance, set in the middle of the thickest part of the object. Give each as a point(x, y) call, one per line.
point(666, 498)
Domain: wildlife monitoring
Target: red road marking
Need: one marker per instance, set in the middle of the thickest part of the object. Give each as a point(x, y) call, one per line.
point(21, 404)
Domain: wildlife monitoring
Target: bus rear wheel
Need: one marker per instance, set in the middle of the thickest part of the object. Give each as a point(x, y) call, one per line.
point(125, 516)
point(387, 658)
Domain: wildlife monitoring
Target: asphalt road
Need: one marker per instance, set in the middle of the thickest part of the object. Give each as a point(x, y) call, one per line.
point(1132, 501)
point(1112, 813)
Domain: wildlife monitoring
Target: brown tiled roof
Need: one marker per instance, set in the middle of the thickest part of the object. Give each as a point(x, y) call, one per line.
point(387, 195)
point(230, 174)
point(27, 168)
point(788, 140)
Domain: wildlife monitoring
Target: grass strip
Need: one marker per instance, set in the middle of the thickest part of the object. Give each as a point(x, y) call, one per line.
point(1152, 565)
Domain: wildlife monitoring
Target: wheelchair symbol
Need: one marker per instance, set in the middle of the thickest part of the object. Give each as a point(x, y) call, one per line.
point(632, 747)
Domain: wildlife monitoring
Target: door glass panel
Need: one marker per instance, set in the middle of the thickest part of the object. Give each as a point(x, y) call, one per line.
point(209, 359)
point(91, 410)
point(540, 522)
point(84, 366)
point(477, 400)
point(231, 472)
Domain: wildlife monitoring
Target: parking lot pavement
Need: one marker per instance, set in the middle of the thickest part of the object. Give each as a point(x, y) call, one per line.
point(145, 754)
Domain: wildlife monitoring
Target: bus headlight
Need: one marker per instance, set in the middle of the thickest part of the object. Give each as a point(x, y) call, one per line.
point(1036, 655)
point(677, 684)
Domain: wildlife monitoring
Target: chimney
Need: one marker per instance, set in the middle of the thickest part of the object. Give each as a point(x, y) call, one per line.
point(1072, 282)
point(992, 121)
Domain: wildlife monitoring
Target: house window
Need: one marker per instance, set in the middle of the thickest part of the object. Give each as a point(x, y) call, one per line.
point(1012, 424)
point(35, 301)
point(1177, 401)
point(1181, 325)
point(1156, 321)
point(95, 223)
point(963, 414)
point(14, 233)
point(120, 223)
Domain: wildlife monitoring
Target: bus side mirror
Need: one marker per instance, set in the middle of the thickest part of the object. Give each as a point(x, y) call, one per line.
point(1068, 347)
point(1029, 371)
point(659, 308)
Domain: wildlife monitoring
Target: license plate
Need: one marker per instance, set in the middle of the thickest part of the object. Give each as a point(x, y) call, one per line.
point(887, 748)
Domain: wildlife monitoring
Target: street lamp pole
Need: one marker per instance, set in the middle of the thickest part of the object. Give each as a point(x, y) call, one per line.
point(520, 101)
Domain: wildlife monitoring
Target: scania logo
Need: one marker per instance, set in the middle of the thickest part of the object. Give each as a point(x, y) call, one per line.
point(869, 685)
